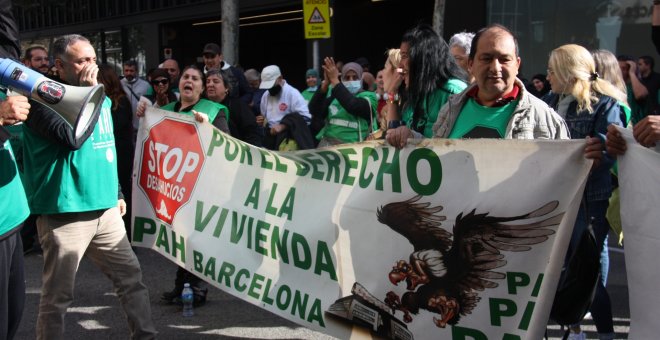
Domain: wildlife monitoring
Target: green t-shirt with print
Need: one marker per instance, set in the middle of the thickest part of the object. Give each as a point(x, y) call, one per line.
point(61, 180)
point(478, 121)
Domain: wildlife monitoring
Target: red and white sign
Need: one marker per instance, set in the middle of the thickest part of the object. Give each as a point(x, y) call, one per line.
point(171, 161)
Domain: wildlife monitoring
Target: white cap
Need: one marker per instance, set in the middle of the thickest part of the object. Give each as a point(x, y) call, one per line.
point(269, 75)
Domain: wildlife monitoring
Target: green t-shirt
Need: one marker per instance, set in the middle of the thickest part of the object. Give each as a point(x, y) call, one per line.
point(61, 180)
point(14, 205)
point(477, 121)
point(342, 125)
point(431, 106)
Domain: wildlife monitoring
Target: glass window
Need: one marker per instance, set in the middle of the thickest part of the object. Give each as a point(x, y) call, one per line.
point(621, 26)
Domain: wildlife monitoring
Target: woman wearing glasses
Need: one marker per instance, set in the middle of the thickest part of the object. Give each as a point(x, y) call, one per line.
point(161, 95)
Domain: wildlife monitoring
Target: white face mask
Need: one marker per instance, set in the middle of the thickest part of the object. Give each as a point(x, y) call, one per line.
point(353, 86)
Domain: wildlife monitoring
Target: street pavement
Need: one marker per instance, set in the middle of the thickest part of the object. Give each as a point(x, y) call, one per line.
point(95, 313)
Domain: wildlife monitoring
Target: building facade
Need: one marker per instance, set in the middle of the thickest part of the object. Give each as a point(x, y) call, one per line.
point(271, 31)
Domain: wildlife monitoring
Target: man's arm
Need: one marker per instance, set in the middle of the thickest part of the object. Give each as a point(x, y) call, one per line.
point(639, 90)
point(298, 104)
point(647, 131)
point(50, 125)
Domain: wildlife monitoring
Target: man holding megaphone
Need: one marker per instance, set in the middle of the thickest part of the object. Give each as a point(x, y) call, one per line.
point(71, 182)
point(13, 205)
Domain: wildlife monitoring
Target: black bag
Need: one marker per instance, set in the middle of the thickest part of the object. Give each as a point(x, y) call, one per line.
point(578, 281)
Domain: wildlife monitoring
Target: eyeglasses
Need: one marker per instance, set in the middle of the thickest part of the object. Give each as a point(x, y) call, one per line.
point(550, 72)
point(160, 82)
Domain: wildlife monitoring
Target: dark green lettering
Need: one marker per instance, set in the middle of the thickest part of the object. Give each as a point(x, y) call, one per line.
point(435, 171)
point(350, 165)
point(140, 229)
point(324, 261)
point(255, 285)
point(216, 140)
point(260, 237)
point(202, 221)
point(332, 160)
point(253, 195)
point(391, 168)
point(363, 181)
point(237, 284)
point(515, 280)
point(501, 308)
point(226, 271)
point(299, 304)
point(299, 244)
point(278, 245)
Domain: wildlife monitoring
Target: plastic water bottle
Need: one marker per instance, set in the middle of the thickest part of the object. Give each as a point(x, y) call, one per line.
point(187, 299)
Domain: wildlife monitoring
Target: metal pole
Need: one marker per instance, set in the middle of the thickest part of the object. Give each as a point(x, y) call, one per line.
point(230, 31)
point(315, 54)
point(439, 17)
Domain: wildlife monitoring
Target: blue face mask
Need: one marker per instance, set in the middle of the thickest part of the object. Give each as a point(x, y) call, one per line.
point(352, 86)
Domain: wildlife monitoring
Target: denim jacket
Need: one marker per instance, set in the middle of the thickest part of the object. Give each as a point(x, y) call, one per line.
point(582, 124)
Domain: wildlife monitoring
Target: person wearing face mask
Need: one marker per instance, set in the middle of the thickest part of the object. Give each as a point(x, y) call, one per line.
point(284, 111)
point(312, 81)
point(348, 111)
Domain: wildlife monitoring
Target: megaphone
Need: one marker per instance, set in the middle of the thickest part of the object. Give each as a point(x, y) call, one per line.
point(78, 106)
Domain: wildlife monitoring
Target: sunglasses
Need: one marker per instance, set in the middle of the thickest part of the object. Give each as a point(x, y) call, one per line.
point(160, 82)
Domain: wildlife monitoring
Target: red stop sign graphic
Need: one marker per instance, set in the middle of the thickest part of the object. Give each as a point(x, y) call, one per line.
point(172, 158)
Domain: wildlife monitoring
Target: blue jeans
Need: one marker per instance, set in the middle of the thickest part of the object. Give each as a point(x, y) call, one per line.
point(601, 307)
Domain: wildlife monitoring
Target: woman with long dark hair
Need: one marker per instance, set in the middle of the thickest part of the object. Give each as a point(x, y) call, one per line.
point(430, 75)
point(122, 124)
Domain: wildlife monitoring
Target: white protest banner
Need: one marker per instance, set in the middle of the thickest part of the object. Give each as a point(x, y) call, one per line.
point(639, 186)
point(443, 239)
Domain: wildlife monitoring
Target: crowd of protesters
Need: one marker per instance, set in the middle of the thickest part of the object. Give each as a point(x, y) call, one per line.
point(427, 88)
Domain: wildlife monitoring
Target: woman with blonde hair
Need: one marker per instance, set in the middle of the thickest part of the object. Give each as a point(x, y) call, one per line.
point(588, 104)
point(385, 77)
point(607, 66)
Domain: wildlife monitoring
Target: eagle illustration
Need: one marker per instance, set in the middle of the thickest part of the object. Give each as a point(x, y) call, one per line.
point(444, 275)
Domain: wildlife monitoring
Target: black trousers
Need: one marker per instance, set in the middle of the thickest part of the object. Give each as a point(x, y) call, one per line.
point(12, 285)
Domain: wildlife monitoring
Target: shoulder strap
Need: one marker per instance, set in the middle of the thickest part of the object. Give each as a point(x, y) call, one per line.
point(133, 93)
